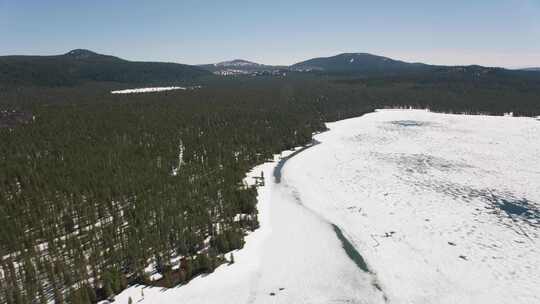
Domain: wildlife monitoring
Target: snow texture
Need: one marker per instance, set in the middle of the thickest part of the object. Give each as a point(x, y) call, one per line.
point(150, 90)
point(237, 63)
point(442, 208)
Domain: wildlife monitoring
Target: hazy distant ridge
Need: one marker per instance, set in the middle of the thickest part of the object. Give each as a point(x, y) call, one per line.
point(83, 65)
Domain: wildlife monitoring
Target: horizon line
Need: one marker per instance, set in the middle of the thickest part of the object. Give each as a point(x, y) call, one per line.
point(521, 67)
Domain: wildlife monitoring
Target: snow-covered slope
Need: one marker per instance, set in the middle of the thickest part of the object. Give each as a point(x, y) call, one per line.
point(442, 208)
point(241, 67)
point(237, 63)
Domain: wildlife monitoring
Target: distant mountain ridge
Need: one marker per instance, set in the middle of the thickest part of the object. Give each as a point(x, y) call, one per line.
point(86, 54)
point(364, 65)
point(82, 65)
point(239, 67)
point(354, 64)
point(357, 62)
point(237, 63)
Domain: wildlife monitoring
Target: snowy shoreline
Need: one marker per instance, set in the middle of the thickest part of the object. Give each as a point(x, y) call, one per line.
point(337, 179)
point(267, 268)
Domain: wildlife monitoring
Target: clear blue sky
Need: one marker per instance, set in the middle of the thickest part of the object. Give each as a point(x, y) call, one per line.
point(488, 32)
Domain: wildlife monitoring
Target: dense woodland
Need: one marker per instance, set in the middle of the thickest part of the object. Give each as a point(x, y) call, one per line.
point(95, 187)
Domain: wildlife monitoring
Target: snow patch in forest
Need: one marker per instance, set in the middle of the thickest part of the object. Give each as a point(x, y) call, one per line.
point(152, 89)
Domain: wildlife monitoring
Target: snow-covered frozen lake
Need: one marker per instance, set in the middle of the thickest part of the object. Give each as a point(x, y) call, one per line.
point(442, 208)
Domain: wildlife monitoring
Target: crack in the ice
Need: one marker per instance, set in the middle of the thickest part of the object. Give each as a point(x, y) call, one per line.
point(347, 245)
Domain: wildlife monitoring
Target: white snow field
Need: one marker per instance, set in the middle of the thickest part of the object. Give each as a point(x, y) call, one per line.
point(443, 209)
point(151, 90)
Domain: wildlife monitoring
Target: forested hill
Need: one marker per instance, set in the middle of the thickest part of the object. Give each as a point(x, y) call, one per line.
point(358, 62)
point(80, 66)
point(373, 66)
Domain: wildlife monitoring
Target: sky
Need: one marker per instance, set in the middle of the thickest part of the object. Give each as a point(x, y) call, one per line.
point(487, 32)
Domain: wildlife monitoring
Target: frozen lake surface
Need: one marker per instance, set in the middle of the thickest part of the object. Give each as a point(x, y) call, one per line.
point(444, 208)
point(440, 209)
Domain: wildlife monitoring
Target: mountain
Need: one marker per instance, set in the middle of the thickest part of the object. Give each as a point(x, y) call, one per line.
point(238, 63)
point(531, 69)
point(80, 65)
point(363, 65)
point(240, 67)
point(358, 63)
